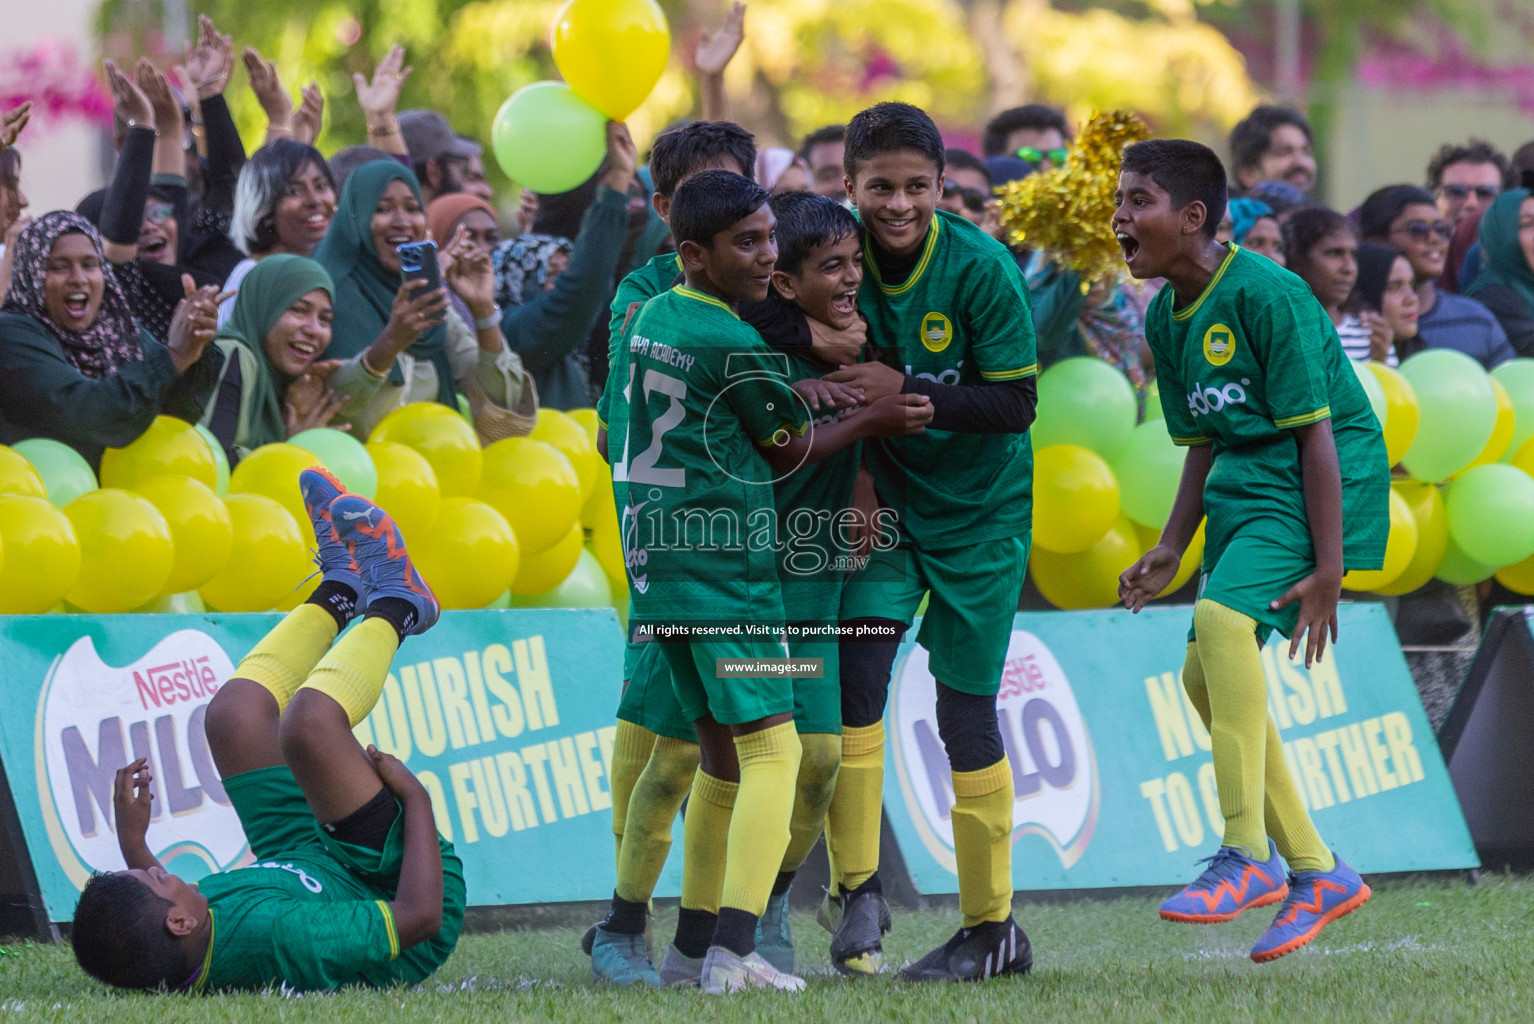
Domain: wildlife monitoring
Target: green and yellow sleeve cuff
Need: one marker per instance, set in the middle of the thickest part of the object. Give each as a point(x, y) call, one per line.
point(388, 916)
point(1290, 422)
point(1014, 374)
point(774, 440)
point(1192, 442)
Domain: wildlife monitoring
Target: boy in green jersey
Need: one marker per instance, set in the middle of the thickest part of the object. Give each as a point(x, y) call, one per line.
point(949, 303)
point(351, 884)
point(1286, 460)
point(710, 422)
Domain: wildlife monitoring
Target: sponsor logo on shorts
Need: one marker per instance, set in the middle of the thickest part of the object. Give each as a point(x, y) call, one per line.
point(936, 332)
point(1219, 345)
point(1204, 400)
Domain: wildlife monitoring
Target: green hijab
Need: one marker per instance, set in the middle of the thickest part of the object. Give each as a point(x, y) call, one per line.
point(266, 292)
point(364, 289)
point(1502, 261)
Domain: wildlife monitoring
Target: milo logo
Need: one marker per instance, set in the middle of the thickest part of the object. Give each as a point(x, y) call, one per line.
point(1204, 400)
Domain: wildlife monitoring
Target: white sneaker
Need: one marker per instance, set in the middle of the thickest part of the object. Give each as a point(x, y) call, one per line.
point(725, 973)
point(680, 971)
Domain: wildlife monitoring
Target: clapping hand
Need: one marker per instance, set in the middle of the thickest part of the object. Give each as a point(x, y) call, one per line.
point(209, 64)
point(380, 97)
point(310, 401)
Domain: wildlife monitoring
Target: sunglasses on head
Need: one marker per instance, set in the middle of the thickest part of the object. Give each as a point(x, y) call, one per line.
point(974, 199)
point(1036, 156)
point(1421, 230)
point(1459, 193)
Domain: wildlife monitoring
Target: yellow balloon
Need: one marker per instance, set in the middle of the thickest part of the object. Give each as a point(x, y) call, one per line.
point(407, 487)
point(611, 52)
point(1090, 578)
point(470, 555)
point(200, 527)
point(561, 432)
point(42, 555)
point(269, 558)
point(17, 475)
point(1501, 431)
point(170, 447)
point(534, 486)
point(1400, 546)
point(1075, 498)
point(544, 570)
point(1524, 458)
point(443, 438)
point(1402, 414)
point(589, 422)
point(272, 472)
point(126, 552)
point(1192, 557)
point(1432, 519)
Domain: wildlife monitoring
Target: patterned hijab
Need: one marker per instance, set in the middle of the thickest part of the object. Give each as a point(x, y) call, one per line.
point(112, 339)
point(522, 260)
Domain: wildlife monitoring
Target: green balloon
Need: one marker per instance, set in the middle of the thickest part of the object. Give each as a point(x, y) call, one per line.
point(189, 603)
point(585, 587)
point(1086, 402)
point(1458, 412)
point(464, 409)
point(1153, 410)
point(65, 472)
point(344, 456)
point(1148, 468)
point(1460, 569)
point(1372, 389)
point(547, 138)
point(220, 460)
point(1491, 514)
point(504, 601)
point(1517, 376)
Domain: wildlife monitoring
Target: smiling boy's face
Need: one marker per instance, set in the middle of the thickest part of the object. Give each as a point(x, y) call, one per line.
point(737, 264)
point(826, 284)
point(896, 194)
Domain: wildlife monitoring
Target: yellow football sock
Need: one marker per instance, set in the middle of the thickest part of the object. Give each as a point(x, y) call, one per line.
point(285, 656)
point(769, 765)
point(852, 820)
point(657, 796)
point(353, 673)
point(631, 751)
point(821, 753)
point(982, 842)
point(1284, 815)
point(705, 839)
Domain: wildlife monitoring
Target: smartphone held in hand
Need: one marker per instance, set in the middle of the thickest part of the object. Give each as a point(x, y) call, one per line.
point(418, 262)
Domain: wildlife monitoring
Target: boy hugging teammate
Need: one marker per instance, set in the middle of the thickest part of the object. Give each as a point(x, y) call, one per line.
point(709, 422)
point(1290, 470)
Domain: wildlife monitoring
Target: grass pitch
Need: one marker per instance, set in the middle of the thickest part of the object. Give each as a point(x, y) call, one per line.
point(1428, 950)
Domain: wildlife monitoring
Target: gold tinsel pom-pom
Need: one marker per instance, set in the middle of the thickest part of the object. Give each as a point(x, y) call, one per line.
point(1068, 210)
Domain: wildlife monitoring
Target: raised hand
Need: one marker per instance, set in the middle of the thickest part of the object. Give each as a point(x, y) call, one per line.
point(132, 797)
point(309, 115)
point(210, 62)
point(12, 122)
point(264, 82)
point(128, 100)
point(167, 112)
point(194, 324)
point(717, 48)
point(468, 271)
point(380, 97)
point(622, 157)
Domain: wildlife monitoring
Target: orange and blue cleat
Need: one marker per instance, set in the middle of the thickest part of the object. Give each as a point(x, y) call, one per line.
point(379, 549)
point(320, 490)
point(1232, 883)
point(1316, 899)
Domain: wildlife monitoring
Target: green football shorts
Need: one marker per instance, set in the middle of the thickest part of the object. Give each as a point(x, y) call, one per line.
point(1253, 571)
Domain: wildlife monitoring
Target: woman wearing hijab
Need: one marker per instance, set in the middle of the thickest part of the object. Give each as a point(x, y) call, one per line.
point(481, 230)
point(1505, 282)
point(1385, 279)
point(426, 351)
point(74, 365)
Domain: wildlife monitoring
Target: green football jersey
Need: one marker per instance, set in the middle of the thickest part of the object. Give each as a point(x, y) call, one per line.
point(961, 317)
point(815, 552)
point(704, 395)
point(641, 286)
point(1252, 358)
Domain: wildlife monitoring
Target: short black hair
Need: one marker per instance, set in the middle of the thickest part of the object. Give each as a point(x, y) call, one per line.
point(821, 136)
point(1188, 171)
point(1476, 151)
point(710, 201)
point(1037, 116)
point(119, 935)
point(682, 150)
point(1304, 230)
point(1253, 134)
point(1385, 205)
point(343, 162)
point(965, 160)
point(807, 221)
point(887, 127)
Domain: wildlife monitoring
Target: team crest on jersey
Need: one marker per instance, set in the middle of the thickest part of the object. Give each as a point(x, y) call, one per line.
point(936, 332)
point(1219, 345)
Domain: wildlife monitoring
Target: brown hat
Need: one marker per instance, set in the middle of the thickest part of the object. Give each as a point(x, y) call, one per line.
point(428, 136)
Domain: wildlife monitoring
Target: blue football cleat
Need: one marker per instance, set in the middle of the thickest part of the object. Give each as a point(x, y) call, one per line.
point(379, 549)
point(1232, 883)
point(1316, 899)
point(320, 490)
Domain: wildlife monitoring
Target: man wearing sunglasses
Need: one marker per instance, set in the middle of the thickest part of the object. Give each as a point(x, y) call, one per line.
point(1035, 133)
point(1407, 217)
point(1465, 179)
point(967, 190)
